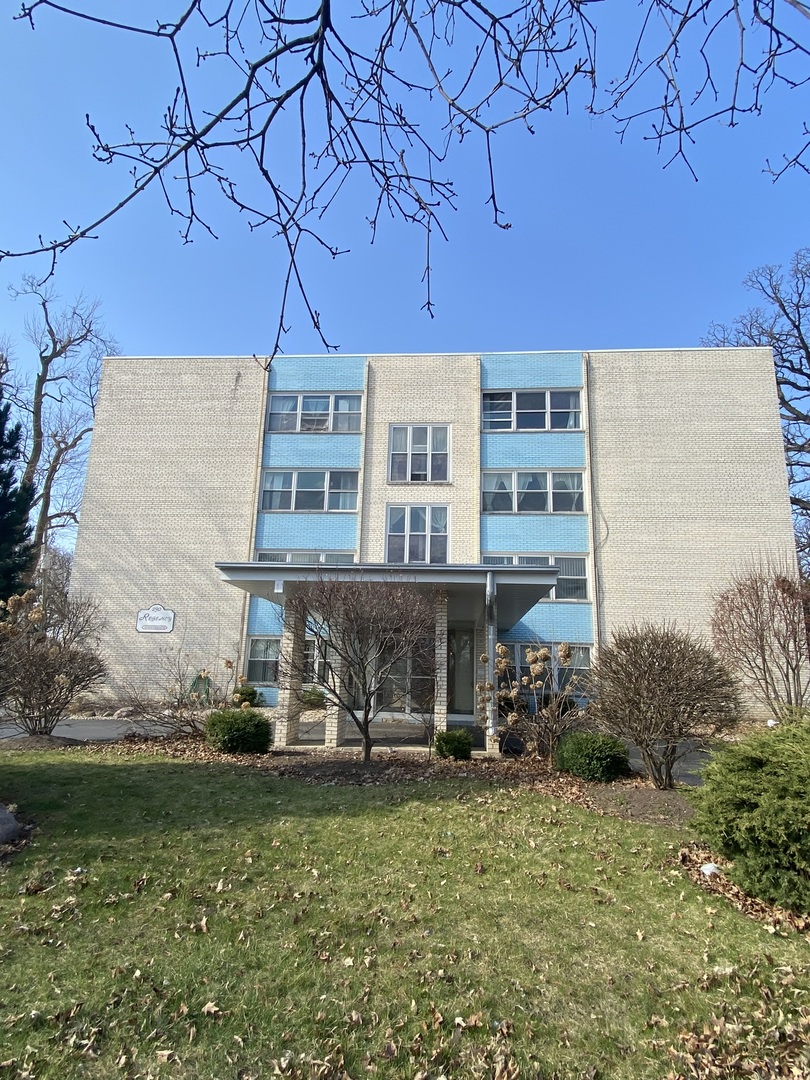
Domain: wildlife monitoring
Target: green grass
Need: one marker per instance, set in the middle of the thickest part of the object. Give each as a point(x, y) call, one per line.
point(208, 921)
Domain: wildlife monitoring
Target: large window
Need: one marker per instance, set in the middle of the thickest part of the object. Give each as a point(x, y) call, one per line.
point(420, 453)
point(572, 580)
point(531, 410)
point(532, 492)
point(417, 534)
point(309, 489)
point(314, 412)
point(262, 665)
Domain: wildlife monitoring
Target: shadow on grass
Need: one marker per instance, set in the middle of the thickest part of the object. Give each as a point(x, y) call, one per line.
point(69, 794)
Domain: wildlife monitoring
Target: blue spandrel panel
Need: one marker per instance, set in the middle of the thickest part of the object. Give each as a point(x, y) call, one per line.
point(539, 450)
point(306, 450)
point(514, 371)
point(264, 618)
point(327, 373)
point(541, 533)
point(312, 532)
point(552, 621)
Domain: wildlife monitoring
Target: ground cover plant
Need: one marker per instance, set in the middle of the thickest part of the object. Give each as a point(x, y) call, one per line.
point(179, 918)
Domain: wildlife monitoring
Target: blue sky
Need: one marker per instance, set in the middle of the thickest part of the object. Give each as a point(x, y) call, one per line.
point(607, 249)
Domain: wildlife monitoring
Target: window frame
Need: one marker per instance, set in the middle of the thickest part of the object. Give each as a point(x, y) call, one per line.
point(548, 411)
point(251, 676)
point(328, 558)
point(331, 414)
point(409, 454)
point(294, 489)
point(504, 558)
point(408, 533)
point(524, 493)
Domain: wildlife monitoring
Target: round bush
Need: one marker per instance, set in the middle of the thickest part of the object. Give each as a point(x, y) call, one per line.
point(754, 808)
point(456, 744)
point(591, 756)
point(238, 731)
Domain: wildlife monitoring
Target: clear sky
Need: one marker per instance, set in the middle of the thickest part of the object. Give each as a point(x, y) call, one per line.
point(606, 250)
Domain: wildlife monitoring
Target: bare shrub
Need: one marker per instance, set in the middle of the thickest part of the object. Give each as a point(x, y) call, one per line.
point(542, 706)
point(661, 688)
point(374, 647)
point(759, 626)
point(48, 655)
point(186, 693)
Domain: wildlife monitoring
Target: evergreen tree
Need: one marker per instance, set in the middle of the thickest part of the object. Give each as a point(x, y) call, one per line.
point(16, 549)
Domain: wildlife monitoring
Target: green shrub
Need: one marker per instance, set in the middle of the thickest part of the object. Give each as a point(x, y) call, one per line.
point(238, 731)
point(312, 698)
point(592, 756)
point(754, 808)
point(457, 744)
point(246, 692)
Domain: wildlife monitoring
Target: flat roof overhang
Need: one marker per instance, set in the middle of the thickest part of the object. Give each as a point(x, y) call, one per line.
point(518, 588)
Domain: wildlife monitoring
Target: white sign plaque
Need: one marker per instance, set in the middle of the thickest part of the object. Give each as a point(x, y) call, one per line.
point(155, 620)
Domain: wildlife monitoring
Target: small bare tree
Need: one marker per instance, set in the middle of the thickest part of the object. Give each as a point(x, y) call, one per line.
point(541, 706)
point(48, 655)
point(374, 646)
point(180, 699)
point(56, 406)
point(661, 688)
point(759, 626)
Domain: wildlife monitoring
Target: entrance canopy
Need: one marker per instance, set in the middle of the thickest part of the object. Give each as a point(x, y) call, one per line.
point(515, 589)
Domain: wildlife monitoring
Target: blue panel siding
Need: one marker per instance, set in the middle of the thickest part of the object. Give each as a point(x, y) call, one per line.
point(315, 532)
point(264, 618)
point(534, 532)
point(543, 450)
point(309, 450)
point(515, 371)
point(318, 373)
point(551, 621)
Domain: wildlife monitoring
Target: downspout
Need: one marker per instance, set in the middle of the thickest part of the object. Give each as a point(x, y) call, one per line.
point(492, 633)
point(592, 504)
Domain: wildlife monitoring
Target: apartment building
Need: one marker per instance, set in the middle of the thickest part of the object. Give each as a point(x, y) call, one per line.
point(542, 497)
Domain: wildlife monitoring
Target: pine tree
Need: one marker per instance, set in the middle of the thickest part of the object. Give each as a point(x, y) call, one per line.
point(16, 549)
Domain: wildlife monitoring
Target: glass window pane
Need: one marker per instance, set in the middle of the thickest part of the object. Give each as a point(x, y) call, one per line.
point(531, 401)
point(315, 413)
point(419, 466)
point(419, 438)
point(532, 495)
point(438, 440)
point(497, 412)
point(534, 560)
point(567, 492)
point(571, 589)
point(271, 556)
point(438, 549)
point(396, 549)
point(497, 494)
point(309, 491)
point(417, 545)
point(399, 467)
point(396, 519)
point(418, 519)
point(438, 467)
point(342, 490)
point(399, 440)
point(438, 519)
point(497, 560)
point(283, 412)
point(277, 493)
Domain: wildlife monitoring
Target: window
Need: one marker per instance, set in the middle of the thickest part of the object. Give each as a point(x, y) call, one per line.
point(572, 580)
point(419, 453)
point(417, 534)
point(530, 492)
point(309, 489)
point(531, 410)
point(262, 665)
point(314, 412)
point(563, 673)
point(329, 557)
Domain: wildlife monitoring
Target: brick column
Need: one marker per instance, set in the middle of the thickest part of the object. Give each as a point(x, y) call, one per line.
point(440, 697)
point(289, 700)
point(336, 724)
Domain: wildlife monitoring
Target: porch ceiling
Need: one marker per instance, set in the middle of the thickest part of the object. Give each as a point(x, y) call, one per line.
point(518, 588)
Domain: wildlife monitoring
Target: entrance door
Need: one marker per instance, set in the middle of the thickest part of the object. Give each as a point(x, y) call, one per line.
point(461, 670)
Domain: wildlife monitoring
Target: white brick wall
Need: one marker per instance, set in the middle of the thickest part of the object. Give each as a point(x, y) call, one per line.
point(688, 478)
point(171, 488)
point(423, 390)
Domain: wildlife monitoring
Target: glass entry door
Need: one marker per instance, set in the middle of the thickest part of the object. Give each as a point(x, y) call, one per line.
point(461, 670)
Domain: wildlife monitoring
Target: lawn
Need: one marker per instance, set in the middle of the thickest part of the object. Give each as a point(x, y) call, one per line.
point(182, 919)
